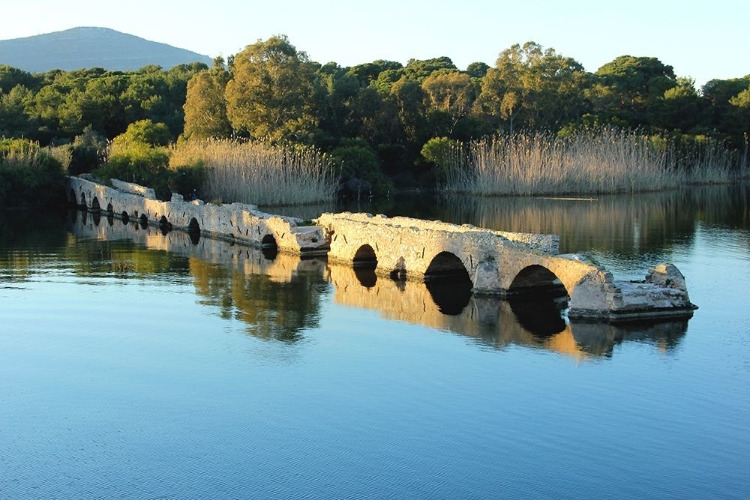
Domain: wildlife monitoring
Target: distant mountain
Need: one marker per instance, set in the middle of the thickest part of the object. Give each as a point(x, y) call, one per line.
point(79, 48)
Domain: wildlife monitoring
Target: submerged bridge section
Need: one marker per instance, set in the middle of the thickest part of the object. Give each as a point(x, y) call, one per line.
point(501, 264)
point(490, 263)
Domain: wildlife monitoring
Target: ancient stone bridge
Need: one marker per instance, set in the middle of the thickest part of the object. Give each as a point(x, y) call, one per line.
point(500, 263)
point(236, 222)
point(490, 262)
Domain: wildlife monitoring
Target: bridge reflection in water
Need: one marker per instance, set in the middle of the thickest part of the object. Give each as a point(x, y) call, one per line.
point(278, 296)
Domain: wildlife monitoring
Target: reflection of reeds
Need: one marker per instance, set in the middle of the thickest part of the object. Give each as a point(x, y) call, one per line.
point(608, 161)
point(255, 173)
point(611, 223)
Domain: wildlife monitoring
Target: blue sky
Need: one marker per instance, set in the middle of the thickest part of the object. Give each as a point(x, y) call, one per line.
point(703, 41)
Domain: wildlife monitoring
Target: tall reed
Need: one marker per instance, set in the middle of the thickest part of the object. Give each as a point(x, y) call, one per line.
point(251, 172)
point(606, 161)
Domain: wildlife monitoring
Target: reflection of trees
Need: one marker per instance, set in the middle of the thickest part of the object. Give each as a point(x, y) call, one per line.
point(616, 224)
point(276, 298)
point(272, 309)
point(26, 239)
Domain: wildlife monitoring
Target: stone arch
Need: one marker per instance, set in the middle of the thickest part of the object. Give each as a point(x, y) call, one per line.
point(164, 225)
point(446, 265)
point(72, 198)
point(83, 200)
point(269, 247)
point(143, 220)
point(536, 281)
point(365, 257)
point(125, 217)
point(193, 226)
point(110, 208)
point(95, 207)
point(268, 241)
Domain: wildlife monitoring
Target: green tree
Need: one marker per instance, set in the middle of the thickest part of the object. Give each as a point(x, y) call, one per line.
point(205, 107)
point(452, 93)
point(273, 92)
point(14, 122)
point(420, 69)
point(629, 87)
point(540, 88)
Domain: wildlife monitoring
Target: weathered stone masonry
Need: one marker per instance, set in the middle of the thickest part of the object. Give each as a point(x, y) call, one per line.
point(498, 263)
point(236, 222)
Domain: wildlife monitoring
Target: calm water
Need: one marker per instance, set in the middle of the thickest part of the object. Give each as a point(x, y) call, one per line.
point(139, 365)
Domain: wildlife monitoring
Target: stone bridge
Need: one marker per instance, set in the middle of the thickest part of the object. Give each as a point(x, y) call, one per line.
point(236, 222)
point(490, 263)
point(488, 320)
point(500, 263)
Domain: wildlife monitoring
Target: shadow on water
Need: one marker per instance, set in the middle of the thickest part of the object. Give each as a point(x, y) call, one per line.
point(278, 298)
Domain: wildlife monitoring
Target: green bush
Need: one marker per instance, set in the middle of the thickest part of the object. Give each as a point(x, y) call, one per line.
point(136, 156)
point(29, 175)
point(360, 168)
point(187, 179)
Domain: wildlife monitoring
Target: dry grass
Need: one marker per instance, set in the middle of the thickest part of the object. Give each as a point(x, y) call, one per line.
point(608, 161)
point(251, 172)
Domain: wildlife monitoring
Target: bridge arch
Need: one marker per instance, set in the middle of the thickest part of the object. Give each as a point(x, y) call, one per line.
point(365, 257)
point(83, 200)
point(537, 280)
point(95, 207)
point(446, 265)
point(72, 198)
point(110, 208)
point(269, 247)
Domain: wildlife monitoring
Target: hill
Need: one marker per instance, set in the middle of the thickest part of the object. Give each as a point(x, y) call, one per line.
point(87, 47)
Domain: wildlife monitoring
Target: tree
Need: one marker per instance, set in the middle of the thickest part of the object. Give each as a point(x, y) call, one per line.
point(452, 93)
point(418, 70)
point(273, 92)
point(205, 107)
point(477, 69)
point(539, 87)
point(14, 122)
point(629, 86)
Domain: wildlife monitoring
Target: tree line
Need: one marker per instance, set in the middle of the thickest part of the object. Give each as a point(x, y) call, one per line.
point(374, 118)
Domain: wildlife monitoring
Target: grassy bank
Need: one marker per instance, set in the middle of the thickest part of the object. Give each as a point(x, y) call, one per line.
point(606, 161)
point(255, 173)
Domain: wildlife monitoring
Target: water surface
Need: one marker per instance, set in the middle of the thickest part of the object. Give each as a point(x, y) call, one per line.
point(137, 364)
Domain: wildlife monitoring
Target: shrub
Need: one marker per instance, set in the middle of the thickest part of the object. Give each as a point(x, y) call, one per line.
point(360, 168)
point(29, 175)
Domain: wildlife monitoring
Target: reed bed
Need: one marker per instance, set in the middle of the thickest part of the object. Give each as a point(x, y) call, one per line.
point(254, 173)
point(606, 161)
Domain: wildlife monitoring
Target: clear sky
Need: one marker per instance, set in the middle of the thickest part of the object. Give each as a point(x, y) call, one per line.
point(702, 40)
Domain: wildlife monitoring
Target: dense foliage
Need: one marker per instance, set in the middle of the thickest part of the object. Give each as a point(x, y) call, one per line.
point(29, 175)
point(375, 119)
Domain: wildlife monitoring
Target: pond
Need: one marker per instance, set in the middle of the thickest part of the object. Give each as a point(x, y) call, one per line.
point(147, 365)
